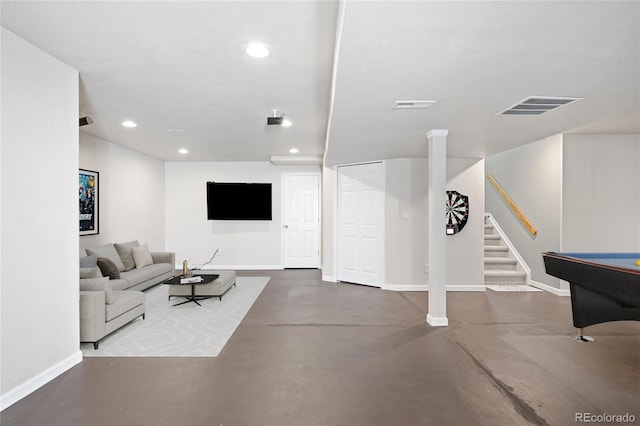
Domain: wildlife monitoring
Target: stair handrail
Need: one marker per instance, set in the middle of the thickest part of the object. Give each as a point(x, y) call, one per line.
point(514, 208)
point(512, 248)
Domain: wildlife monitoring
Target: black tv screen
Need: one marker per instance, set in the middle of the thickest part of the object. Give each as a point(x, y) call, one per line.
point(238, 201)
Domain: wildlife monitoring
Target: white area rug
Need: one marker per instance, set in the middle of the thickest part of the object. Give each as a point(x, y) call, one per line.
point(185, 330)
point(512, 287)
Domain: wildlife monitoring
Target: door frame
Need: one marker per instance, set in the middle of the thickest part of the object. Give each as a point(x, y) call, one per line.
point(336, 221)
point(282, 207)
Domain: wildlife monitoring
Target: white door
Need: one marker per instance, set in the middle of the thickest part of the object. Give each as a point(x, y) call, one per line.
point(360, 224)
point(301, 220)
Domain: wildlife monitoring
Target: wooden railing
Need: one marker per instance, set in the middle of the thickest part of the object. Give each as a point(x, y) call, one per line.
point(523, 219)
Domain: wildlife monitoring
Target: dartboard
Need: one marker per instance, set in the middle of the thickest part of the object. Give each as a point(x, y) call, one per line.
point(457, 212)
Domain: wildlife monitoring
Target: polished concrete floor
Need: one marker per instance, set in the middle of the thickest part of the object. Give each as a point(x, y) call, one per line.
point(316, 353)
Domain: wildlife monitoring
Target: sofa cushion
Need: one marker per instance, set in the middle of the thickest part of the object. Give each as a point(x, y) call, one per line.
point(124, 250)
point(90, 272)
point(120, 284)
point(108, 251)
point(136, 276)
point(158, 269)
point(88, 261)
point(108, 268)
point(99, 284)
point(142, 256)
point(126, 300)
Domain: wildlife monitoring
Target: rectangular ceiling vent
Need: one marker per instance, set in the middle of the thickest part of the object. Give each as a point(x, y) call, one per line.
point(413, 104)
point(537, 105)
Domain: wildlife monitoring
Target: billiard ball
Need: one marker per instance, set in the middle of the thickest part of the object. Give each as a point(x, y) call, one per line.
point(638, 262)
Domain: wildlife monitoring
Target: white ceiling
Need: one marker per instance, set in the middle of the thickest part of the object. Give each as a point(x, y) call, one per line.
point(337, 68)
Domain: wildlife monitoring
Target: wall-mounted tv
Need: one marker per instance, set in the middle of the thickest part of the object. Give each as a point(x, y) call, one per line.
point(238, 201)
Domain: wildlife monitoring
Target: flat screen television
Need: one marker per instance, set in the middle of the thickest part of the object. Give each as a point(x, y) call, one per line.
point(238, 201)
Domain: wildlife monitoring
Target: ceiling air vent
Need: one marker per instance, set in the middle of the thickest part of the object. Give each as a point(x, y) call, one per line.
point(413, 104)
point(537, 105)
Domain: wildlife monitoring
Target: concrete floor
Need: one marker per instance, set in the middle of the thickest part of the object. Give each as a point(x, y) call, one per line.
point(315, 353)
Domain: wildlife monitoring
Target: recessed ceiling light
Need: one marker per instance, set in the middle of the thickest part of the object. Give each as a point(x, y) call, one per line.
point(129, 123)
point(294, 151)
point(257, 50)
point(183, 151)
point(286, 123)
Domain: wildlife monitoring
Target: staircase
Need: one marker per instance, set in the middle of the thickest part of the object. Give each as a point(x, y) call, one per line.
point(500, 265)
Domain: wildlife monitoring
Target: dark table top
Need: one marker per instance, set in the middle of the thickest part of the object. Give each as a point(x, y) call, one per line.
point(206, 279)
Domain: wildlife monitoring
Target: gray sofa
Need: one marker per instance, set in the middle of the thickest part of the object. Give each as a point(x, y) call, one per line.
point(112, 277)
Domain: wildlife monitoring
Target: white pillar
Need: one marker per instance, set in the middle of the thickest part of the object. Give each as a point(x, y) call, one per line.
point(437, 243)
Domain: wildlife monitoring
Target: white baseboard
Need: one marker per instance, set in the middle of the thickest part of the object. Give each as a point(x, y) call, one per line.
point(437, 321)
point(240, 267)
point(16, 394)
point(329, 278)
point(405, 287)
point(480, 287)
point(423, 287)
point(550, 289)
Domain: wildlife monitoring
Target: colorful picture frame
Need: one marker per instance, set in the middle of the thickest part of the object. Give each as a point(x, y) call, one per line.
point(88, 197)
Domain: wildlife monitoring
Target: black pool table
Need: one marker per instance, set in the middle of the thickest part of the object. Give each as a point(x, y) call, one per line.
point(604, 286)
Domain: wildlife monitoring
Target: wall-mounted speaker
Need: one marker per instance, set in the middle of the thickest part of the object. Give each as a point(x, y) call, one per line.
point(275, 121)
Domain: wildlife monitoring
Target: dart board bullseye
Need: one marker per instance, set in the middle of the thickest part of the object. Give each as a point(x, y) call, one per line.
point(457, 210)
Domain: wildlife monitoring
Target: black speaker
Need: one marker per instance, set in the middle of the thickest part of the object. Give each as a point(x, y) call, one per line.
point(85, 120)
point(274, 121)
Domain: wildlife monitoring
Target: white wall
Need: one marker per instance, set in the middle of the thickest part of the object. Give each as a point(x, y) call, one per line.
point(242, 244)
point(405, 222)
point(328, 223)
point(131, 194)
point(532, 176)
point(581, 192)
point(601, 193)
point(405, 240)
point(465, 250)
point(39, 316)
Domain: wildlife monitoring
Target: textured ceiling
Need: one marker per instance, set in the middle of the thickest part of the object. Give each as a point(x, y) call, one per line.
point(178, 65)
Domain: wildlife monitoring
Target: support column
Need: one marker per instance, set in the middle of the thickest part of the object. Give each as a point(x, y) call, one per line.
point(437, 243)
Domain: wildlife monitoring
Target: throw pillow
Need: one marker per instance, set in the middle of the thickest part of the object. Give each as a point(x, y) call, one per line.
point(99, 284)
point(90, 272)
point(88, 261)
point(142, 256)
point(108, 268)
point(107, 251)
point(124, 250)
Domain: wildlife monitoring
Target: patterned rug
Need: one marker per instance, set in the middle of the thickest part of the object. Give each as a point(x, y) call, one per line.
point(185, 330)
point(512, 287)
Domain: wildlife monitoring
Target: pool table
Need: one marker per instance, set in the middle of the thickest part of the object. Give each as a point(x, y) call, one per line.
point(604, 286)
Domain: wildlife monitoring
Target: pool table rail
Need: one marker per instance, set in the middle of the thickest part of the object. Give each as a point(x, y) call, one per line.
point(603, 288)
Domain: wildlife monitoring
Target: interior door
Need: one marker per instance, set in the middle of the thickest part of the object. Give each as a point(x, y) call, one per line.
point(360, 224)
point(301, 220)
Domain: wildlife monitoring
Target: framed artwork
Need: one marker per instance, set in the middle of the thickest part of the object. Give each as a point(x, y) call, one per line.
point(88, 197)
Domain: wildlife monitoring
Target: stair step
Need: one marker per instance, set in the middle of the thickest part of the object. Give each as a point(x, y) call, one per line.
point(504, 277)
point(495, 251)
point(492, 240)
point(500, 263)
point(488, 229)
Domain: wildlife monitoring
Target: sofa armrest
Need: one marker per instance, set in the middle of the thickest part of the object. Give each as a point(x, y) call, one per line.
point(164, 257)
point(92, 315)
